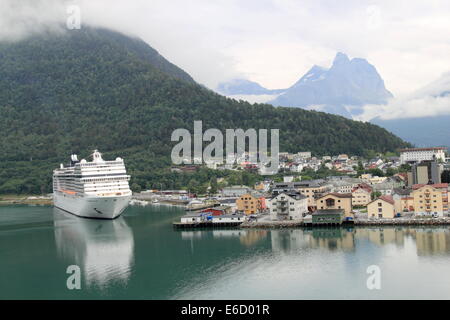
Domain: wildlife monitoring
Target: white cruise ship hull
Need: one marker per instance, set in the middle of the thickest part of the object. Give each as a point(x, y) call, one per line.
point(92, 207)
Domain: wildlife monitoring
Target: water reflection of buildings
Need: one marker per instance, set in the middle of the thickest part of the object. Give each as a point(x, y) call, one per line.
point(246, 237)
point(382, 236)
point(103, 249)
point(428, 241)
point(432, 241)
point(333, 239)
point(296, 239)
point(288, 240)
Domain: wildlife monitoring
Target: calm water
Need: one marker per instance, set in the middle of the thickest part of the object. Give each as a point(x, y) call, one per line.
point(140, 256)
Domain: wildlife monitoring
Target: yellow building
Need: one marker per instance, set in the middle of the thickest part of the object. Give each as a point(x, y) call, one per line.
point(248, 204)
point(404, 202)
point(430, 199)
point(376, 180)
point(361, 196)
point(336, 201)
point(311, 191)
point(381, 208)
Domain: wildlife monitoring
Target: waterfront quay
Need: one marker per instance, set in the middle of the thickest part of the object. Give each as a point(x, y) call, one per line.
point(404, 222)
point(264, 223)
point(205, 225)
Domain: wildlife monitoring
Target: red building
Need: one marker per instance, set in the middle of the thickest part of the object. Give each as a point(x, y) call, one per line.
point(216, 211)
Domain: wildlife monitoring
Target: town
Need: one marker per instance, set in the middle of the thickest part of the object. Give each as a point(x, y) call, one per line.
point(409, 188)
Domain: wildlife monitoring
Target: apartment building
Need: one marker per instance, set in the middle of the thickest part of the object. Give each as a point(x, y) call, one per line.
point(361, 195)
point(422, 154)
point(288, 206)
point(430, 199)
point(309, 189)
point(249, 204)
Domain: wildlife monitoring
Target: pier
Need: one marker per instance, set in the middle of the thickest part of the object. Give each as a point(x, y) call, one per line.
point(205, 224)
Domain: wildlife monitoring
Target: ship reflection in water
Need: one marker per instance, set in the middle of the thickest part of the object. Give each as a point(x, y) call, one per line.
point(103, 249)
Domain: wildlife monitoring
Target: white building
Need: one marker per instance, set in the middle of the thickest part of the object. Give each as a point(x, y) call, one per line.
point(235, 191)
point(288, 206)
point(192, 218)
point(228, 218)
point(422, 154)
point(302, 155)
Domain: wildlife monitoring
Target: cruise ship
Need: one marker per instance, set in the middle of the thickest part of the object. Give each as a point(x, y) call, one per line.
point(95, 189)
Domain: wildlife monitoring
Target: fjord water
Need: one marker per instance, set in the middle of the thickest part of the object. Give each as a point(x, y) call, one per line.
point(140, 256)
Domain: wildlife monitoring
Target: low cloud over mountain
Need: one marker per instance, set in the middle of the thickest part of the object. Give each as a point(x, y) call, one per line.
point(421, 117)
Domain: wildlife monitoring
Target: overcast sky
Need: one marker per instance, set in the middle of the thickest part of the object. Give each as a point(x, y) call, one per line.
point(273, 42)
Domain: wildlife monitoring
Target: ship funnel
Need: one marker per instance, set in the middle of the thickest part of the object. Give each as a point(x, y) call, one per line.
point(97, 156)
point(73, 160)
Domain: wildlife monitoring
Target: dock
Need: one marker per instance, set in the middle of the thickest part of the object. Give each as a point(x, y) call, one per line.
point(205, 224)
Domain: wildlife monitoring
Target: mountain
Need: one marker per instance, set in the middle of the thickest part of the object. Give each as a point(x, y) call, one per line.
point(244, 87)
point(424, 131)
point(342, 89)
point(98, 89)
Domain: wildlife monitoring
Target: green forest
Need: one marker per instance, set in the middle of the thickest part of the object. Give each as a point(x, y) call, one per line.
point(88, 89)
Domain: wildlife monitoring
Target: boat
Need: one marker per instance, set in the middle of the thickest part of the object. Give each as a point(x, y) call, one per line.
point(92, 189)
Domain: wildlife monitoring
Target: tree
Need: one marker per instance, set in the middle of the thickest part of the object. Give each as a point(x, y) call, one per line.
point(136, 187)
point(376, 172)
point(213, 184)
point(404, 168)
point(375, 195)
point(390, 172)
point(445, 176)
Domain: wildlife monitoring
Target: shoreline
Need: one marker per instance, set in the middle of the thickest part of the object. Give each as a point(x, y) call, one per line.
point(445, 221)
point(6, 200)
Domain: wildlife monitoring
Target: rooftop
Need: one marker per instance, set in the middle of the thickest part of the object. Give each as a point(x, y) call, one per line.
point(339, 195)
point(422, 149)
point(436, 186)
point(402, 191)
point(388, 199)
point(328, 212)
point(294, 195)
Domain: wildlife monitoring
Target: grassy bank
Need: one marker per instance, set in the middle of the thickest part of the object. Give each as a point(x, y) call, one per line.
point(11, 199)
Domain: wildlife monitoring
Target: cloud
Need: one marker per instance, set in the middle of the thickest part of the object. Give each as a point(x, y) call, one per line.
point(21, 18)
point(431, 100)
point(272, 42)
